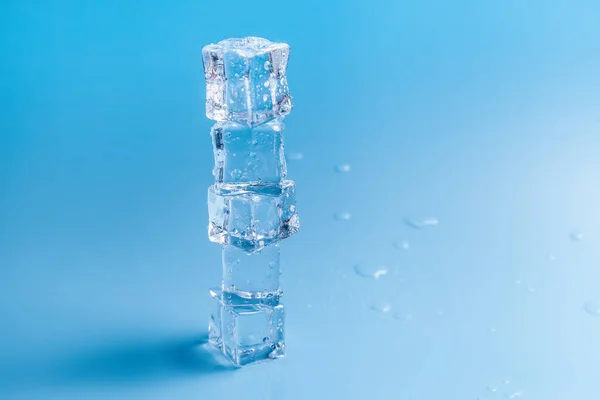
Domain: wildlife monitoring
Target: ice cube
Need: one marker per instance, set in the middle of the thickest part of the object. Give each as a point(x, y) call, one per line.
point(251, 275)
point(248, 333)
point(249, 155)
point(246, 80)
point(214, 322)
point(252, 217)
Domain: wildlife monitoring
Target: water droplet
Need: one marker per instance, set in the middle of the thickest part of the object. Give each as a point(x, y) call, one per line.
point(518, 282)
point(267, 65)
point(592, 308)
point(551, 257)
point(507, 382)
point(407, 317)
point(265, 97)
point(252, 154)
point(370, 271)
point(383, 307)
point(343, 168)
point(493, 330)
point(421, 223)
point(513, 395)
point(236, 174)
point(297, 156)
point(404, 245)
point(330, 299)
point(576, 236)
point(267, 83)
point(492, 389)
point(342, 216)
point(531, 289)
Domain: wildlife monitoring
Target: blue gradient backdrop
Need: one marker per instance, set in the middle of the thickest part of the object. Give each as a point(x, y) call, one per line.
point(485, 115)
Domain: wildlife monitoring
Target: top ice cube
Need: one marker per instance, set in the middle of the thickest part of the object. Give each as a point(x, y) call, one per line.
point(246, 81)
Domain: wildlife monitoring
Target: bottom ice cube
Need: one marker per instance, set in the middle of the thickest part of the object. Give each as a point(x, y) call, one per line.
point(246, 333)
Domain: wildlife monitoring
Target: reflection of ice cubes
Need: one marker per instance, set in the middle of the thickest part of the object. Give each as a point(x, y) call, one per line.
point(251, 275)
point(251, 217)
point(248, 155)
point(247, 333)
point(246, 81)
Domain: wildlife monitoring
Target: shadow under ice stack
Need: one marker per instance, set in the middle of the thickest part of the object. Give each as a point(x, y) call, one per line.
point(251, 206)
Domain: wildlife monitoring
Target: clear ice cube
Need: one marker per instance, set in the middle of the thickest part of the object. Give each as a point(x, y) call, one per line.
point(251, 275)
point(246, 80)
point(247, 333)
point(252, 217)
point(249, 155)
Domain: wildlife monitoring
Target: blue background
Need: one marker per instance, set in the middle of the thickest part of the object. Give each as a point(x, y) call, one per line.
point(484, 115)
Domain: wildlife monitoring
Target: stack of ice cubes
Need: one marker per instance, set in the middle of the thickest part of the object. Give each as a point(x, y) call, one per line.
point(251, 205)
